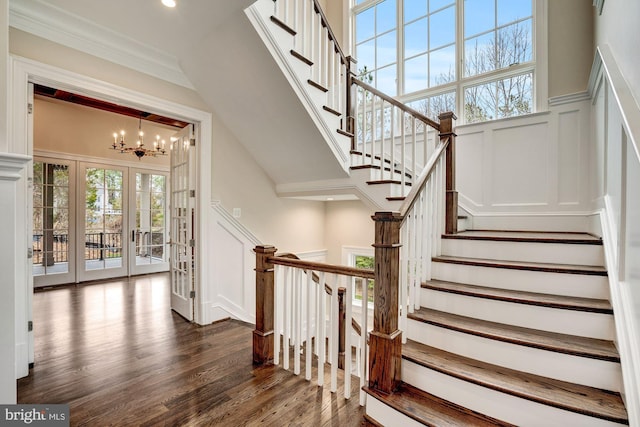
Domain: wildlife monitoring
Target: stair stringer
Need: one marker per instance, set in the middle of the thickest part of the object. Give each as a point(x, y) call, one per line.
point(279, 43)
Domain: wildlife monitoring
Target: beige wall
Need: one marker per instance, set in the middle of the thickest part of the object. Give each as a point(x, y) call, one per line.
point(348, 223)
point(570, 45)
point(618, 27)
point(74, 129)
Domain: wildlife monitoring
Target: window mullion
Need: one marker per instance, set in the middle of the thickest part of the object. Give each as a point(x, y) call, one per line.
point(400, 47)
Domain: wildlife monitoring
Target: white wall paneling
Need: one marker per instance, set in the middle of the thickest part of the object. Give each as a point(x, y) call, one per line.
point(616, 117)
point(533, 165)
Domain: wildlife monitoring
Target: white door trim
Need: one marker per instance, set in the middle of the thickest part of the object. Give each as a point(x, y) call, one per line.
point(23, 71)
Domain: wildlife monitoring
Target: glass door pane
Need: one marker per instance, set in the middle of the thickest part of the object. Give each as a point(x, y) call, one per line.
point(52, 217)
point(149, 236)
point(103, 223)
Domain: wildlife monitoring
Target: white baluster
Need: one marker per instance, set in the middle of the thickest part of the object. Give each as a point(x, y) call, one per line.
point(287, 317)
point(310, 300)
point(333, 336)
point(322, 327)
point(297, 283)
point(348, 330)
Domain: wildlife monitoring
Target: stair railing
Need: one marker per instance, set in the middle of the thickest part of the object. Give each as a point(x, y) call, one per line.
point(315, 43)
point(295, 316)
point(405, 242)
point(389, 136)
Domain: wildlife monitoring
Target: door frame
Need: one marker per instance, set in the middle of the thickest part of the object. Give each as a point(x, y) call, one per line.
point(24, 71)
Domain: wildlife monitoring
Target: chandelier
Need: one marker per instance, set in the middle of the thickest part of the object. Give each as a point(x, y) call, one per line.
point(139, 150)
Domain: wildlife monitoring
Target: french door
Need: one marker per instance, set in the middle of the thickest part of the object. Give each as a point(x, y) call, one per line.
point(54, 236)
point(95, 221)
point(182, 223)
point(149, 226)
point(103, 222)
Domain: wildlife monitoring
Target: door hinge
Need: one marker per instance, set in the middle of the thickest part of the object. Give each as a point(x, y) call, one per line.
point(192, 243)
point(192, 294)
point(30, 325)
point(30, 108)
point(192, 142)
point(192, 193)
point(29, 253)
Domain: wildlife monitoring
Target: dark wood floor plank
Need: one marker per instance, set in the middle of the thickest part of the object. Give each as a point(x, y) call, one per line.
point(117, 355)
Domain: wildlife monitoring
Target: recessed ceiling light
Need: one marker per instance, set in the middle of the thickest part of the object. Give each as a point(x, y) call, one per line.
point(329, 199)
point(169, 3)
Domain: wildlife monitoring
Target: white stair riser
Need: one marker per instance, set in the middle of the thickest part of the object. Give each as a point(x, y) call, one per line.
point(386, 415)
point(462, 224)
point(555, 253)
point(573, 322)
point(578, 285)
point(580, 370)
point(493, 403)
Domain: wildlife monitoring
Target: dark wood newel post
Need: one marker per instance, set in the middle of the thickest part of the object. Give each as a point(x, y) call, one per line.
point(385, 341)
point(451, 202)
point(263, 334)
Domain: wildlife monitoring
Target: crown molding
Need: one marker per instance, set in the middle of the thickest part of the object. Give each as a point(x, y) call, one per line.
point(67, 29)
point(569, 98)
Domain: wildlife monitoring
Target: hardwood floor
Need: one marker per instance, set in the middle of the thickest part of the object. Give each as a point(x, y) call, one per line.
point(118, 355)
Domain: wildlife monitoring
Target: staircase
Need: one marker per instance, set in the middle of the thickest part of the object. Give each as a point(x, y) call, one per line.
point(514, 328)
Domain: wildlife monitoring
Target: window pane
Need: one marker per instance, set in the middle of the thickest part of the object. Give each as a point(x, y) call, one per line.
point(480, 102)
point(37, 172)
point(513, 10)
point(365, 28)
point(479, 16)
point(479, 55)
point(365, 54)
point(386, 80)
point(441, 103)
point(386, 49)
point(442, 28)
point(442, 66)
point(513, 45)
point(414, 9)
point(515, 96)
point(385, 16)
point(438, 4)
point(157, 183)
point(415, 74)
point(415, 38)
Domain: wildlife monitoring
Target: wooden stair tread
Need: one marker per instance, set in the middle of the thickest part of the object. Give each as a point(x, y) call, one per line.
point(561, 343)
point(526, 236)
point(560, 394)
point(532, 266)
point(523, 297)
point(431, 410)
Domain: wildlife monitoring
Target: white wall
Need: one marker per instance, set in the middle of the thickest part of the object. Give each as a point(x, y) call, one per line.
point(618, 27)
point(616, 123)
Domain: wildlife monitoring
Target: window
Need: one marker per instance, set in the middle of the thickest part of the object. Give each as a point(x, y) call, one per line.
point(360, 258)
point(475, 57)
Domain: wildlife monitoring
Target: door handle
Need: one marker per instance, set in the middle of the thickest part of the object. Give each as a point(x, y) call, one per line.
point(133, 235)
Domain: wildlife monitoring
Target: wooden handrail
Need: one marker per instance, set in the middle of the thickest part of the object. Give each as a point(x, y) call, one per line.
point(397, 103)
point(332, 37)
point(365, 273)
